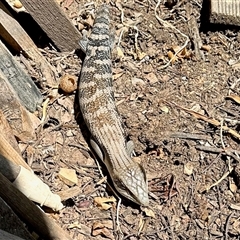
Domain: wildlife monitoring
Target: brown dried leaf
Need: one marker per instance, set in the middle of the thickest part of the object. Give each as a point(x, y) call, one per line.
point(175, 48)
point(149, 212)
point(171, 56)
point(17, 4)
point(117, 75)
point(140, 55)
point(120, 53)
point(102, 202)
point(206, 48)
point(100, 229)
point(68, 176)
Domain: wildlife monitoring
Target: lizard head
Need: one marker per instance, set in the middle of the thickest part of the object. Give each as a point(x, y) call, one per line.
point(131, 183)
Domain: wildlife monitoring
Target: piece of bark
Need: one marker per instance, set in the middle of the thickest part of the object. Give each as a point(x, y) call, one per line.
point(9, 169)
point(225, 12)
point(22, 122)
point(7, 132)
point(10, 222)
point(18, 39)
point(19, 81)
point(68, 176)
point(54, 22)
point(30, 213)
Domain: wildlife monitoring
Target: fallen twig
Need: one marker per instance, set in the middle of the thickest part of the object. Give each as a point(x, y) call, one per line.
point(190, 136)
point(225, 151)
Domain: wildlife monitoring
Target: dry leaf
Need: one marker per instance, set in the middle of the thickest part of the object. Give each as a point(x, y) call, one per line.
point(206, 48)
point(171, 56)
point(120, 53)
point(149, 212)
point(117, 75)
point(141, 55)
point(233, 187)
point(184, 53)
point(68, 176)
point(235, 98)
point(235, 206)
point(236, 225)
point(102, 202)
point(101, 229)
point(175, 48)
point(137, 81)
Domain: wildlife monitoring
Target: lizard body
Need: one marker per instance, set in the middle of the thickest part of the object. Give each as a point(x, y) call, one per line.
point(100, 114)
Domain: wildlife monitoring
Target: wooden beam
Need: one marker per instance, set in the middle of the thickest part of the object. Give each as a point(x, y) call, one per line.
point(16, 37)
point(225, 12)
point(18, 80)
point(54, 22)
point(22, 122)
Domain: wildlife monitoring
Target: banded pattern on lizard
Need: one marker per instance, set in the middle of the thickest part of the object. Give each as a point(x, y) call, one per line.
point(100, 114)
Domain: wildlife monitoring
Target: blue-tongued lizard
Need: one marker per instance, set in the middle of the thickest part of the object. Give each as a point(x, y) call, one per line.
point(100, 114)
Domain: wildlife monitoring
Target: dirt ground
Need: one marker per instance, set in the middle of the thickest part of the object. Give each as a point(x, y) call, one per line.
point(183, 119)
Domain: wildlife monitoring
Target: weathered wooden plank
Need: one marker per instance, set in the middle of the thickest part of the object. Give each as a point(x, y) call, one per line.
point(11, 223)
point(54, 22)
point(19, 81)
point(7, 133)
point(14, 35)
point(225, 12)
point(30, 213)
point(7, 151)
point(22, 122)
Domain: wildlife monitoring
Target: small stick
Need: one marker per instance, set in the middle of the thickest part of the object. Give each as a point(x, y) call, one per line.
point(227, 225)
point(190, 136)
point(222, 178)
point(227, 151)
